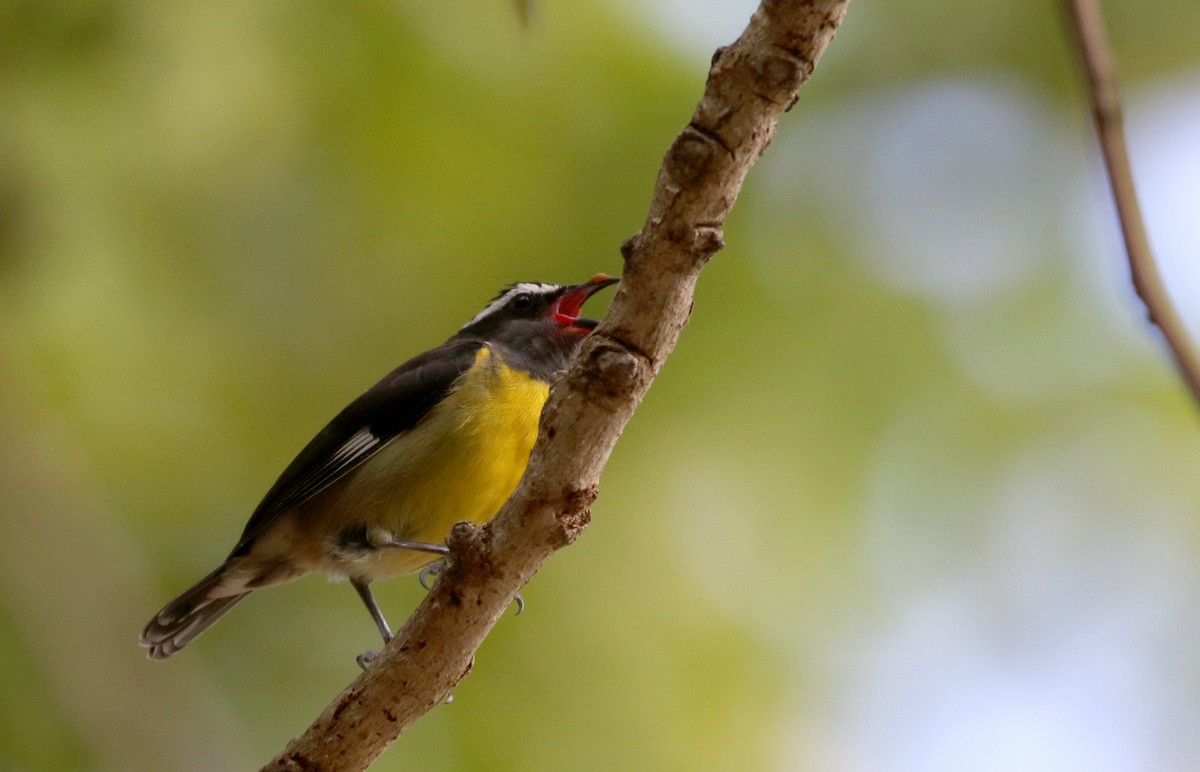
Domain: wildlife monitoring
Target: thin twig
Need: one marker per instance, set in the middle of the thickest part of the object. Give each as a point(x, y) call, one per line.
point(1086, 23)
point(750, 84)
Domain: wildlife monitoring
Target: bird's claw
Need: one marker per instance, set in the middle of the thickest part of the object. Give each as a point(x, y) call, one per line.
point(365, 659)
point(429, 574)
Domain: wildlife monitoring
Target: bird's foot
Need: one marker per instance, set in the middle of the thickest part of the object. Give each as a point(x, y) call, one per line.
point(429, 574)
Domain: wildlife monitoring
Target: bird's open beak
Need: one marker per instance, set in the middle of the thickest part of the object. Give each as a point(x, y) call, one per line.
point(568, 307)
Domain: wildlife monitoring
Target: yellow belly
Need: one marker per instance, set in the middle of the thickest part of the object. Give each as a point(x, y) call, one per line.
point(461, 463)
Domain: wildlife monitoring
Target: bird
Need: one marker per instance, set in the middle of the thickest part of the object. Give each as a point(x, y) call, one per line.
point(445, 437)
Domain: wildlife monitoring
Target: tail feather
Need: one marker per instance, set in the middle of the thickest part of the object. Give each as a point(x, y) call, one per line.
point(184, 618)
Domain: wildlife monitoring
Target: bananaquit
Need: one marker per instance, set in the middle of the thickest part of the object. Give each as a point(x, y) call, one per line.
point(444, 437)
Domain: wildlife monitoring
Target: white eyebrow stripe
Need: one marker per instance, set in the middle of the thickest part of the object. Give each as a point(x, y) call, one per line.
point(533, 288)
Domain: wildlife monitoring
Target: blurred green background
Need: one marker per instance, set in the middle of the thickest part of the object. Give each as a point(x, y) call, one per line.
point(917, 491)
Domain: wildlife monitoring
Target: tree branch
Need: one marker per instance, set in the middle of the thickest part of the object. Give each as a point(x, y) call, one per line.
point(1086, 24)
point(750, 83)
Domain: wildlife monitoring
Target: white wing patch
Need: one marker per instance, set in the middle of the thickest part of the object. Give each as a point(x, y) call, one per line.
point(362, 444)
point(533, 288)
point(363, 440)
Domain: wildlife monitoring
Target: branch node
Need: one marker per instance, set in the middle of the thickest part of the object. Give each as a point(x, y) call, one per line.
point(612, 368)
point(709, 239)
point(577, 513)
point(711, 135)
point(470, 546)
point(786, 72)
point(629, 246)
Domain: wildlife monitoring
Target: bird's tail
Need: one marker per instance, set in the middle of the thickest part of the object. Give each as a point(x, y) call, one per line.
point(187, 616)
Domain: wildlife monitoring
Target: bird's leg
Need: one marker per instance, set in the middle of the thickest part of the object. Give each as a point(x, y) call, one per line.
point(418, 546)
point(381, 538)
point(363, 589)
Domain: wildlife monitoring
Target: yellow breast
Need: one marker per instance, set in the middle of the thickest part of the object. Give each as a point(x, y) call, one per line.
point(462, 462)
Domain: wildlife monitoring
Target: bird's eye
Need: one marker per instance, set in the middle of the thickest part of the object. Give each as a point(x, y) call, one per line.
point(522, 302)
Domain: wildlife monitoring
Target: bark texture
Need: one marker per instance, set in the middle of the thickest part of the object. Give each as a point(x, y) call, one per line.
point(750, 83)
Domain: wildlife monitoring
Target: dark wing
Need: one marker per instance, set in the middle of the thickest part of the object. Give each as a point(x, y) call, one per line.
point(394, 405)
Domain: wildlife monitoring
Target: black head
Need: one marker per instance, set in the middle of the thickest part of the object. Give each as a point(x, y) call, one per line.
point(555, 306)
